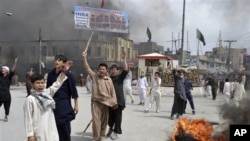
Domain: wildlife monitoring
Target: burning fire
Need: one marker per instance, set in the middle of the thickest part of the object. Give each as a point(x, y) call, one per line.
point(194, 130)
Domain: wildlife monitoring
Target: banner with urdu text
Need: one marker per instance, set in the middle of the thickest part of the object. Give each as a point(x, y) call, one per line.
point(100, 19)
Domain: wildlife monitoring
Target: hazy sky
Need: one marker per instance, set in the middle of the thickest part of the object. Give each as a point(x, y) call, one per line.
point(163, 17)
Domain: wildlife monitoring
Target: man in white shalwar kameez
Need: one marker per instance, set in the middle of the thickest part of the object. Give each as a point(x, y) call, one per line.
point(38, 108)
point(239, 92)
point(155, 93)
point(127, 87)
point(227, 90)
point(89, 84)
point(142, 85)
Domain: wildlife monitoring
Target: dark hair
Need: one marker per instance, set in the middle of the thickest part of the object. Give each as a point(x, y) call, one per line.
point(36, 77)
point(103, 65)
point(227, 80)
point(180, 71)
point(61, 58)
point(157, 73)
point(115, 66)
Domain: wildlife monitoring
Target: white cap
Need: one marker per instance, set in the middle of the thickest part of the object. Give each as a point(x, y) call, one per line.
point(6, 67)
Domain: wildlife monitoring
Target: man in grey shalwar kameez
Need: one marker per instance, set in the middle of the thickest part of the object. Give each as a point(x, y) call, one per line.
point(179, 94)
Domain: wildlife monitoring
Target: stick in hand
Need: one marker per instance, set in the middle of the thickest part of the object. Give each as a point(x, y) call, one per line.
point(87, 46)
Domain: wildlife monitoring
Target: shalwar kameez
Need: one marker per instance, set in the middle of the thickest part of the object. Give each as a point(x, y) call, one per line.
point(103, 97)
point(64, 112)
point(39, 118)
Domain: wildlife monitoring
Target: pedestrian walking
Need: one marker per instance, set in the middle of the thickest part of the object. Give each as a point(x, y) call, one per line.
point(155, 93)
point(179, 94)
point(39, 119)
point(221, 86)
point(103, 96)
point(239, 92)
point(188, 88)
point(6, 76)
point(127, 87)
point(64, 112)
point(115, 115)
point(89, 84)
point(81, 80)
point(214, 85)
point(232, 85)
point(28, 81)
point(227, 90)
point(142, 86)
point(208, 86)
point(243, 81)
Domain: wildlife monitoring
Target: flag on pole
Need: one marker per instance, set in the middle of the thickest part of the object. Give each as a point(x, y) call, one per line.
point(102, 3)
point(149, 34)
point(200, 37)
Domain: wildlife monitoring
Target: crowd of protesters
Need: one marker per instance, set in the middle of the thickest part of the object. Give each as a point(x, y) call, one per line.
point(51, 95)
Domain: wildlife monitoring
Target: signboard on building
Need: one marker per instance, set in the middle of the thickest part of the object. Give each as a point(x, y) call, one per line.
point(100, 19)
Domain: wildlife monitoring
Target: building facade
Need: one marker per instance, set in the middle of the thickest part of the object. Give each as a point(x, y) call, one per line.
point(32, 54)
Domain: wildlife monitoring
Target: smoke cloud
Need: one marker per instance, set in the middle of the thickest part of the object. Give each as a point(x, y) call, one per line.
point(162, 17)
point(232, 114)
point(56, 19)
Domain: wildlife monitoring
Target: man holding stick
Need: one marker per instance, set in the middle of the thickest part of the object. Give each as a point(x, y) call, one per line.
point(103, 97)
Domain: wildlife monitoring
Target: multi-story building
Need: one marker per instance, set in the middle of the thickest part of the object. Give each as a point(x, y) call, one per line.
point(222, 61)
point(33, 54)
point(232, 57)
point(246, 63)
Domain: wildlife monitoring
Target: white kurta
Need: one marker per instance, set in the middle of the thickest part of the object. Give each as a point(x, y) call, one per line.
point(227, 91)
point(38, 122)
point(227, 88)
point(89, 84)
point(239, 93)
point(142, 88)
point(155, 86)
point(127, 87)
point(155, 95)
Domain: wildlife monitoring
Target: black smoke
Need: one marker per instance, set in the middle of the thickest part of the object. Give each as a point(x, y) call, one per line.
point(232, 114)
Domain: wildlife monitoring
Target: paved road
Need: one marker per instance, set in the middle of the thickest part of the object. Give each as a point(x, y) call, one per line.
point(136, 125)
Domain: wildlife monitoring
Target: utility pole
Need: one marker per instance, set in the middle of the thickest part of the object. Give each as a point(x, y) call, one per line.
point(182, 34)
point(174, 42)
point(229, 55)
point(40, 50)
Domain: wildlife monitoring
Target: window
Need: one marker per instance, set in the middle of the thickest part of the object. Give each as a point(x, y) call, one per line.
point(128, 53)
point(89, 51)
point(152, 62)
point(113, 53)
point(44, 48)
point(98, 51)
